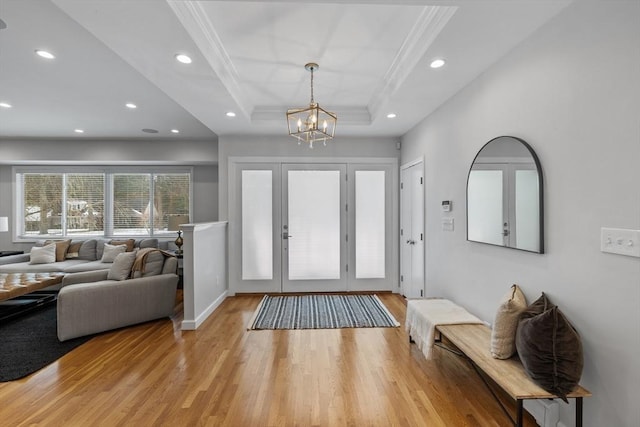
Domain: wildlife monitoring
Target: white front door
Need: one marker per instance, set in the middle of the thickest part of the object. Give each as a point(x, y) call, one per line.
point(412, 231)
point(308, 227)
point(314, 228)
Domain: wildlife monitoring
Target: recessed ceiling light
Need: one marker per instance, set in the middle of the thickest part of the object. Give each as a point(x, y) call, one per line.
point(391, 116)
point(437, 63)
point(175, 131)
point(231, 114)
point(5, 105)
point(78, 131)
point(45, 54)
point(131, 105)
point(181, 57)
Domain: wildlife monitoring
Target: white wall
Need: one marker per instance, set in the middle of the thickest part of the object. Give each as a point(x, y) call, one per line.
point(205, 271)
point(572, 91)
point(202, 155)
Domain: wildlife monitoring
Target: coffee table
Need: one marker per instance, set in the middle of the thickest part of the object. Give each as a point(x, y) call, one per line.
point(21, 292)
point(16, 284)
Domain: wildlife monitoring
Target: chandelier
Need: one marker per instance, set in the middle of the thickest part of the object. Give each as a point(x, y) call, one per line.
point(312, 123)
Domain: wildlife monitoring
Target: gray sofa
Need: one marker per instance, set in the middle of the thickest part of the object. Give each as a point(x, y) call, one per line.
point(89, 303)
point(91, 300)
point(88, 259)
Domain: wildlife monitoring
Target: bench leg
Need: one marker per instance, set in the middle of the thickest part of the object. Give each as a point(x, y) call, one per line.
point(519, 413)
point(578, 412)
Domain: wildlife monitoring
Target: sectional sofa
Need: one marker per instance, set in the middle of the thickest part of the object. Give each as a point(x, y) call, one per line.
point(104, 290)
point(78, 256)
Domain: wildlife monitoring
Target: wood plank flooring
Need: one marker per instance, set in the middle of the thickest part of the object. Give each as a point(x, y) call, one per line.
point(154, 374)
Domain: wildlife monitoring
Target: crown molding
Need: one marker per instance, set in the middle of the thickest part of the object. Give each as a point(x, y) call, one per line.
point(429, 24)
point(194, 19)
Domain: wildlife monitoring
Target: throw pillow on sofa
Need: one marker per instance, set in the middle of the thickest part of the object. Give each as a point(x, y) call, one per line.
point(43, 254)
point(505, 323)
point(61, 248)
point(74, 250)
point(121, 267)
point(88, 250)
point(111, 252)
point(550, 348)
point(129, 243)
point(151, 262)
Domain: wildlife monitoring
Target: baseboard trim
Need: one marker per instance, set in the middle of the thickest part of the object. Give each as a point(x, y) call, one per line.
point(192, 325)
point(546, 412)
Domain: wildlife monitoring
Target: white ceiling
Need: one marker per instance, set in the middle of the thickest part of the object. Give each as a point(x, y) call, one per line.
point(248, 57)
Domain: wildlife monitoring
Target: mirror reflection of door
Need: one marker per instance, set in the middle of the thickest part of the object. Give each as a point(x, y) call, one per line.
point(504, 196)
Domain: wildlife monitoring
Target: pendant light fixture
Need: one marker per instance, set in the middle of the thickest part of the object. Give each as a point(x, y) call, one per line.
point(312, 123)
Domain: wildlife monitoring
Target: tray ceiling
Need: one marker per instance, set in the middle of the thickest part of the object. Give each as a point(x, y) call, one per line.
point(248, 57)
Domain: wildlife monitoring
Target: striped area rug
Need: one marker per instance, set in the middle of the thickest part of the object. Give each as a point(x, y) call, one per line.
point(321, 312)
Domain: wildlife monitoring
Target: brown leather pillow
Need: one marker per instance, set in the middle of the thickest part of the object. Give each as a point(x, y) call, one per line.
point(61, 248)
point(550, 348)
point(73, 251)
point(129, 243)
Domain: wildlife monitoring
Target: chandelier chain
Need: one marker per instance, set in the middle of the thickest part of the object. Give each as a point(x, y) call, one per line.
point(312, 85)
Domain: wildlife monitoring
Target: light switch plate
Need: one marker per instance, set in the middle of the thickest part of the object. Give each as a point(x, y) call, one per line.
point(620, 241)
point(447, 224)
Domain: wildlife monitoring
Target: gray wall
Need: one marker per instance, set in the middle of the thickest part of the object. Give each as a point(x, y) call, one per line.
point(572, 91)
point(201, 155)
point(286, 146)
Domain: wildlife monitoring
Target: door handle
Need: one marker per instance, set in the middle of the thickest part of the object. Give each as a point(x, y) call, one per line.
point(286, 235)
point(411, 242)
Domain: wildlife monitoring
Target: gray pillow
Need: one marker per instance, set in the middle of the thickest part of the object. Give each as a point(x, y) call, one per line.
point(100, 247)
point(154, 262)
point(148, 243)
point(110, 252)
point(88, 250)
point(121, 267)
point(43, 255)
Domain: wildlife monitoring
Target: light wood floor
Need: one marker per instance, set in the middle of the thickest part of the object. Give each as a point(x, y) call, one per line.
point(224, 375)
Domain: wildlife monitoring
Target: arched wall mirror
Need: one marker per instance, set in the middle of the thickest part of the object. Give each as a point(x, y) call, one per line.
point(504, 196)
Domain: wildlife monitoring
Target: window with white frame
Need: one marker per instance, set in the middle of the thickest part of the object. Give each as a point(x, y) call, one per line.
point(117, 201)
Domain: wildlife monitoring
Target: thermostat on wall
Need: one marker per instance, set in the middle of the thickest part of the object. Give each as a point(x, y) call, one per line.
point(446, 205)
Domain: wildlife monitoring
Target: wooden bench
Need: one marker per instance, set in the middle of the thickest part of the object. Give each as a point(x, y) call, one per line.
point(474, 343)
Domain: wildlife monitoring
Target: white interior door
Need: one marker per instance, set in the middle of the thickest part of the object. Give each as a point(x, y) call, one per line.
point(412, 231)
point(314, 252)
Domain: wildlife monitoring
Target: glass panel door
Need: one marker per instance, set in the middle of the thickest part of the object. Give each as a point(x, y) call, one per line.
point(314, 228)
point(257, 224)
point(254, 228)
point(370, 213)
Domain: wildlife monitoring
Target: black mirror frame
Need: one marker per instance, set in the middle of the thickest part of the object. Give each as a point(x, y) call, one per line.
point(541, 194)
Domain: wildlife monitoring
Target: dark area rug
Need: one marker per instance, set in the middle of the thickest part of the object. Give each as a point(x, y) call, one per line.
point(29, 343)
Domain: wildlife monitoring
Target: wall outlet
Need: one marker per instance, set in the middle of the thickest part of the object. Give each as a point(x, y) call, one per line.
point(620, 241)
